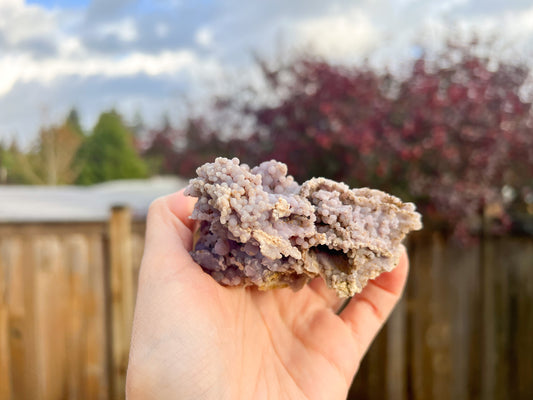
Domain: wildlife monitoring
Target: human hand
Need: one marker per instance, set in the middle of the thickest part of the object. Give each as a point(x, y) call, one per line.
point(195, 339)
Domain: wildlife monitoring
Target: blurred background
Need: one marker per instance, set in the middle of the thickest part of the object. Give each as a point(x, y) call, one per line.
point(107, 104)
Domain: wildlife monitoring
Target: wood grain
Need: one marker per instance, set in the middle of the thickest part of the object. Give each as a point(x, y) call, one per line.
point(67, 291)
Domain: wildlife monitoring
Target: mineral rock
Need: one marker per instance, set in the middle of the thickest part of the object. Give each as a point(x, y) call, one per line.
point(259, 227)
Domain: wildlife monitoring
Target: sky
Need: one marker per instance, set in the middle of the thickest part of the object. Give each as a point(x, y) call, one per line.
point(156, 57)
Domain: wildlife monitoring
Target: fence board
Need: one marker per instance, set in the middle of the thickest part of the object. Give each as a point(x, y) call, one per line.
point(5, 381)
point(77, 266)
point(396, 353)
point(464, 287)
point(50, 318)
point(462, 331)
point(12, 261)
point(419, 292)
point(97, 346)
point(28, 262)
point(516, 338)
point(525, 321)
point(122, 294)
point(438, 334)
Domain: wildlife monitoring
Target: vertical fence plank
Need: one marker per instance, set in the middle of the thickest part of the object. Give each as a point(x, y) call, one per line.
point(524, 333)
point(516, 336)
point(396, 355)
point(438, 333)
point(121, 294)
point(5, 381)
point(77, 264)
point(462, 267)
point(51, 318)
point(419, 292)
point(12, 260)
point(28, 326)
point(377, 360)
point(496, 319)
point(97, 342)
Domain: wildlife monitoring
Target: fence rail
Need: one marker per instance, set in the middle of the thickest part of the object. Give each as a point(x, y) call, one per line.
point(464, 329)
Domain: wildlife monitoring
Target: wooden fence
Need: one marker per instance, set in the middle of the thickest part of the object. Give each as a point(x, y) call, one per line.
point(464, 329)
point(67, 292)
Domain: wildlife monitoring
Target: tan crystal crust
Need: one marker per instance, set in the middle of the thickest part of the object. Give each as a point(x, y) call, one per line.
point(259, 227)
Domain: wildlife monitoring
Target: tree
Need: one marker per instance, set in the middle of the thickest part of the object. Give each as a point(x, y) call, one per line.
point(163, 145)
point(443, 136)
point(328, 122)
point(4, 154)
point(454, 126)
point(73, 122)
point(48, 162)
point(109, 153)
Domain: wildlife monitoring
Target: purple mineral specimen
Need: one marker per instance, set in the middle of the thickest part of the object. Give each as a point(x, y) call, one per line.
point(259, 227)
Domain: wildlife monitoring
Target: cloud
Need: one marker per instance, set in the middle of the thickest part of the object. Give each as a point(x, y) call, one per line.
point(204, 37)
point(25, 69)
point(148, 54)
point(342, 35)
point(20, 23)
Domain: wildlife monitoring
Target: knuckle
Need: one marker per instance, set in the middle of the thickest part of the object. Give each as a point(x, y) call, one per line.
point(156, 206)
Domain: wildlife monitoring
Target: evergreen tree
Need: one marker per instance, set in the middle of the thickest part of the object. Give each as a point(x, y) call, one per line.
point(3, 164)
point(108, 153)
point(73, 122)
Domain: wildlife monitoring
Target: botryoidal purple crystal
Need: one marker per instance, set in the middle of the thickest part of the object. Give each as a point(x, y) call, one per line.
point(259, 227)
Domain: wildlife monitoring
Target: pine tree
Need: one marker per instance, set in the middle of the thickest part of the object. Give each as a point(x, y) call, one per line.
point(108, 153)
point(73, 122)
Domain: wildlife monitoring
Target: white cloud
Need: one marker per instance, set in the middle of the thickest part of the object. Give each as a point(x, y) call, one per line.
point(20, 22)
point(346, 35)
point(22, 68)
point(6, 4)
point(47, 53)
point(204, 37)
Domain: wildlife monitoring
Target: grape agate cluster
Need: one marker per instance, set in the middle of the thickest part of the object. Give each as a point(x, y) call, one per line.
point(257, 226)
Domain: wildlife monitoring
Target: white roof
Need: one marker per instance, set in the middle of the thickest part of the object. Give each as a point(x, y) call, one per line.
point(79, 203)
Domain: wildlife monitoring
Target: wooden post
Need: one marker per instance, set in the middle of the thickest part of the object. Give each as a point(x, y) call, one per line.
point(98, 377)
point(5, 381)
point(122, 303)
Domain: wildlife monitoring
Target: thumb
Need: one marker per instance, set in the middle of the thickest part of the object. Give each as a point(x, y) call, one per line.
point(168, 238)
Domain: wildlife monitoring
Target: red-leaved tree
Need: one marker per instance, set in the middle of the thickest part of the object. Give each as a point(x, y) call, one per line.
point(455, 135)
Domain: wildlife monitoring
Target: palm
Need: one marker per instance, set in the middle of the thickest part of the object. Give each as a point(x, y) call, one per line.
point(193, 338)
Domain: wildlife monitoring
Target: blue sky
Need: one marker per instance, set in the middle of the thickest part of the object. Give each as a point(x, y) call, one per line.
point(60, 3)
point(159, 56)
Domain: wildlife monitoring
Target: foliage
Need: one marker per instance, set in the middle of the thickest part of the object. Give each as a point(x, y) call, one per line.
point(73, 122)
point(7, 162)
point(161, 150)
point(109, 153)
point(181, 151)
point(48, 162)
point(454, 135)
point(463, 136)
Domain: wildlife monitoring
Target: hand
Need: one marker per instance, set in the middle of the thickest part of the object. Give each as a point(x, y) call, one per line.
point(195, 339)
